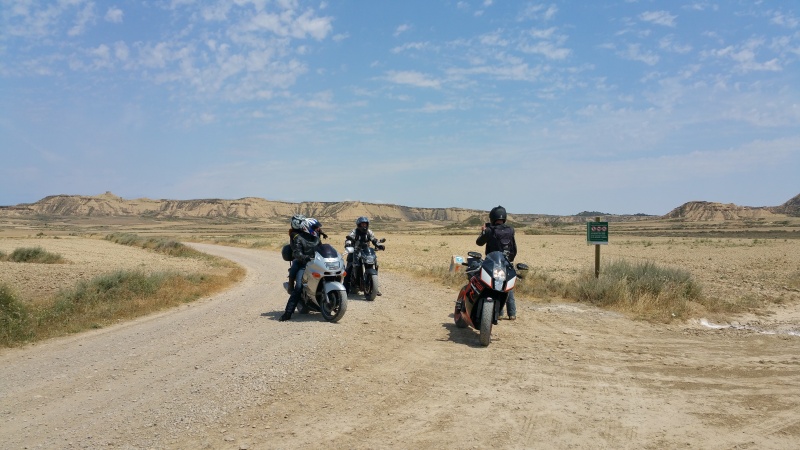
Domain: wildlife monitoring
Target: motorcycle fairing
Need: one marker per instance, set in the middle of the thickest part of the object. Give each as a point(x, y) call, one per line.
point(496, 267)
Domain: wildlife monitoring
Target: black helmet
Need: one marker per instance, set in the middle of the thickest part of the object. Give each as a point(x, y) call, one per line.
point(497, 213)
point(361, 220)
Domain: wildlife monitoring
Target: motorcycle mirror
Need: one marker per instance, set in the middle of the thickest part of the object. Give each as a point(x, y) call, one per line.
point(522, 266)
point(382, 240)
point(474, 255)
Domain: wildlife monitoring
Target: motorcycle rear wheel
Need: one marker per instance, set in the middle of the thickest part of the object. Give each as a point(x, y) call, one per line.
point(333, 306)
point(487, 312)
point(371, 287)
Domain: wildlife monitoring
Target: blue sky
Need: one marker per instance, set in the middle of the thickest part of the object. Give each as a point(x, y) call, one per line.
point(544, 107)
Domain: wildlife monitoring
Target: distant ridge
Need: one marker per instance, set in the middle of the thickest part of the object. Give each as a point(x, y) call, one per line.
point(710, 211)
point(254, 208)
point(110, 205)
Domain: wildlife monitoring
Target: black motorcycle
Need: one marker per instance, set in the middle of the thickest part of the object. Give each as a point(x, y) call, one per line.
point(479, 303)
point(364, 276)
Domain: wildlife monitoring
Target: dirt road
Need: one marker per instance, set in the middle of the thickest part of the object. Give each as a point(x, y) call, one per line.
point(396, 373)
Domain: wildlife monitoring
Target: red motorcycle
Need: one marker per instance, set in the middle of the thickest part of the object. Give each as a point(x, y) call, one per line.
point(481, 299)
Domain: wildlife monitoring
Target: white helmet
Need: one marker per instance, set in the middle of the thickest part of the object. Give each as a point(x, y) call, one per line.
point(297, 221)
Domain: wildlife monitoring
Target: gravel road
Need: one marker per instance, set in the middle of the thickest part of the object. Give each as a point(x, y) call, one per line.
point(223, 373)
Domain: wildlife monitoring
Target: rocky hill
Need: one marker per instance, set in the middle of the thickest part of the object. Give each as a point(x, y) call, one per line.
point(790, 208)
point(253, 208)
point(710, 211)
point(108, 204)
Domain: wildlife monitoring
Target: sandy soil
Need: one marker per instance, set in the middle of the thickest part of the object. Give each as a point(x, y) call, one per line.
point(396, 373)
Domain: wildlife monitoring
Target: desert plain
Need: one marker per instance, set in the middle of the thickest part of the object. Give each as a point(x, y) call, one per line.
point(223, 373)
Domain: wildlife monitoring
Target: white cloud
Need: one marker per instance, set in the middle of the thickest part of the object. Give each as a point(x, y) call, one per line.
point(432, 108)
point(547, 49)
point(286, 25)
point(412, 78)
point(668, 43)
point(745, 57)
point(84, 17)
point(509, 70)
point(114, 15)
point(419, 46)
point(121, 51)
point(634, 52)
point(539, 12)
point(659, 18)
point(495, 39)
point(549, 46)
point(217, 12)
point(401, 29)
point(786, 20)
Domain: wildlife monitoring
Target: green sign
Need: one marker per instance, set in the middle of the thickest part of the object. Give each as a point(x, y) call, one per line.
point(596, 233)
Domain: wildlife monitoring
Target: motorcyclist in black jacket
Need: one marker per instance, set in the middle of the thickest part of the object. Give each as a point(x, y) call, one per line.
point(361, 233)
point(303, 248)
point(497, 236)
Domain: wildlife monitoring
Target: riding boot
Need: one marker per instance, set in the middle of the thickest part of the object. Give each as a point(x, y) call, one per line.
point(286, 316)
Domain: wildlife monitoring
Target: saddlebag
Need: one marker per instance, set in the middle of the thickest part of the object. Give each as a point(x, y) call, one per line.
point(286, 252)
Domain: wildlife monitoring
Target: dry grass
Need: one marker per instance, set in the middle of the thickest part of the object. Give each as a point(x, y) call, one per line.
point(110, 297)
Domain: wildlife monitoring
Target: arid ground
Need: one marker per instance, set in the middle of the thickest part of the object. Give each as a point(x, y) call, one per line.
point(396, 373)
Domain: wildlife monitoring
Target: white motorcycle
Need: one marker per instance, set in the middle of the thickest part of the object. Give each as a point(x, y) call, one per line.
point(323, 290)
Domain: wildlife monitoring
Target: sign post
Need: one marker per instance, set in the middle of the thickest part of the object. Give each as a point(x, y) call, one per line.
point(597, 234)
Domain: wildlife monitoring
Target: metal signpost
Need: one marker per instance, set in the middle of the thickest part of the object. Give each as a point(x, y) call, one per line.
point(597, 234)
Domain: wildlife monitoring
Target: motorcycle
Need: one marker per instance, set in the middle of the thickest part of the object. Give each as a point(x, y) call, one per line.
point(365, 268)
point(323, 290)
point(479, 302)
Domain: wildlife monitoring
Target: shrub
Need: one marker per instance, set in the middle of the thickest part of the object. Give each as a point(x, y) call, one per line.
point(35, 255)
point(645, 289)
point(169, 247)
point(120, 295)
point(14, 318)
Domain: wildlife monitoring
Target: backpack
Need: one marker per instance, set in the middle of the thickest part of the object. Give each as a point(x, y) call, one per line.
point(286, 252)
point(504, 235)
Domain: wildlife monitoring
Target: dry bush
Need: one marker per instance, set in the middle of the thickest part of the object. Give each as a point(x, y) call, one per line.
point(102, 301)
point(33, 255)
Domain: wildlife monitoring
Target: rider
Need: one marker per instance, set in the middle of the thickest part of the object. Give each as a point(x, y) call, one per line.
point(297, 225)
point(303, 245)
point(362, 234)
point(500, 237)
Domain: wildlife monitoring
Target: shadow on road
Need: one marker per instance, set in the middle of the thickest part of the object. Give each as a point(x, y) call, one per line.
point(466, 336)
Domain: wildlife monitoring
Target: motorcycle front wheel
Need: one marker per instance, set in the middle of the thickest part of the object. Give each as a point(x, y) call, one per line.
point(333, 306)
point(371, 287)
point(486, 323)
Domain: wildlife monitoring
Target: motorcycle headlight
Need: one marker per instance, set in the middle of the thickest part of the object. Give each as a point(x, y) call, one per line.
point(499, 274)
point(332, 265)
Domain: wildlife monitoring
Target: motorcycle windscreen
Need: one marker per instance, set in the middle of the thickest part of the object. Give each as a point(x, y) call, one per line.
point(327, 251)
